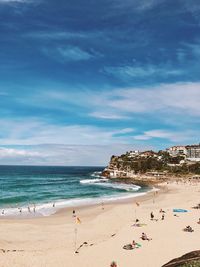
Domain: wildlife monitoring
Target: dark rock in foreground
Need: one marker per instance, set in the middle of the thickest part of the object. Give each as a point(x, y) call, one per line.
point(191, 259)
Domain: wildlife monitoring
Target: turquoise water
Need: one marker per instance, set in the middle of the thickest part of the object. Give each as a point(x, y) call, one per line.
point(23, 186)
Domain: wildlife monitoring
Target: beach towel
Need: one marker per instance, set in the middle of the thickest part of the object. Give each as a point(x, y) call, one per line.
point(139, 224)
point(179, 210)
point(129, 246)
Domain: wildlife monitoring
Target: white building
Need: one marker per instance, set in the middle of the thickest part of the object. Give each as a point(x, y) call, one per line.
point(133, 153)
point(191, 152)
point(177, 151)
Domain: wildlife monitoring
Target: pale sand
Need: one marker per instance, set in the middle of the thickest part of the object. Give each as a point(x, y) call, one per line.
point(49, 241)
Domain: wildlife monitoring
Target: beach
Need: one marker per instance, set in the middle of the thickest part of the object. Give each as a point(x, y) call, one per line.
point(52, 241)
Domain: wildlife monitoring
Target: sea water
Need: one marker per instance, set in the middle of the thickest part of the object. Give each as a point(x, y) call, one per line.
point(42, 190)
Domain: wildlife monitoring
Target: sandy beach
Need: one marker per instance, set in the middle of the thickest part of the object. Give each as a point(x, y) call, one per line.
point(52, 241)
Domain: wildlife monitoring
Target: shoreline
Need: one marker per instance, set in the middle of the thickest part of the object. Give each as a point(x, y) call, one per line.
point(143, 197)
point(61, 206)
point(102, 233)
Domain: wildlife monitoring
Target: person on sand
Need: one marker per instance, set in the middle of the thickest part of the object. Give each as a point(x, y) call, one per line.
point(188, 229)
point(152, 216)
point(134, 244)
point(20, 210)
point(198, 221)
point(162, 211)
point(74, 213)
point(163, 217)
point(144, 237)
point(113, 264)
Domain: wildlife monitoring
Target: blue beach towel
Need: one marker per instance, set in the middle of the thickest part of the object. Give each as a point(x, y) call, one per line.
point(179, 210)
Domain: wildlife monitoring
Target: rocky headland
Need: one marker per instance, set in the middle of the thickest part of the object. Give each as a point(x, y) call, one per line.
point(151, 167)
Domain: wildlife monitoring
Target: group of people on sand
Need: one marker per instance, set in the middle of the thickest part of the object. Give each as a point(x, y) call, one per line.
point(134, 244)
point(162, 215)
point(20, 209)
point(29, 208)
point(188, 229)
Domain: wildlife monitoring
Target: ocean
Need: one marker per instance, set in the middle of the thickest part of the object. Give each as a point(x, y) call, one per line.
point(42, 190)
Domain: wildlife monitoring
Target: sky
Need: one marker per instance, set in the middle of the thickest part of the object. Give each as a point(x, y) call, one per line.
point(83, 80)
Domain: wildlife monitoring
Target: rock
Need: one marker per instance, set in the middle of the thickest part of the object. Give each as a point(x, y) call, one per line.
point(191, 259)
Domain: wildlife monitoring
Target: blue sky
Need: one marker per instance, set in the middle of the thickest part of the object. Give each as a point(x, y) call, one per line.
point(101, 77)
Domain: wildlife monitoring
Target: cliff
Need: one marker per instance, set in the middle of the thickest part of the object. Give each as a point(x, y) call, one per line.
point(146, 164)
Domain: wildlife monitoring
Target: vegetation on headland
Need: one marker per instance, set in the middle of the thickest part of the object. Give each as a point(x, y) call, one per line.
point(150, 162)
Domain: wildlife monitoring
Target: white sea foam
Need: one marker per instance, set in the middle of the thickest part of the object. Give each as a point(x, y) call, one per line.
point(93, 181)
point(47, 209)
point(122, 186)
point(105, 183)
point(96, 174)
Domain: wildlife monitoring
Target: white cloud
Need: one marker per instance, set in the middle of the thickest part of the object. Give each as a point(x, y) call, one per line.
point(10, 1)
point(65, 145)
point(173, 136)
point(107, 116)
point(137, 5)
point(69, 53)
point(63, 35)
point(73, 53)
point(68, 155)
point(168, 101)
point(15, 1)
point(172, 98)
point(142, 137)
point(129, 72)
point(10, 153)
point(33, 132)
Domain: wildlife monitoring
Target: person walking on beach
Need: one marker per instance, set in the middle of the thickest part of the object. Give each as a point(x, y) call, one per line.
point(152, 215)
point(74, 213)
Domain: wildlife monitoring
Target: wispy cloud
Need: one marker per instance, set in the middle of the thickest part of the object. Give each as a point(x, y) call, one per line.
point(173, 136)
point(161, 101)
point(137, 5)
point(170, 98)
point(33, 132)
point(69, 53)
point(14, 1)
point(130, 72)
point(63, 35)
point(108, 115)
point(33, 142)
point(67, 155)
